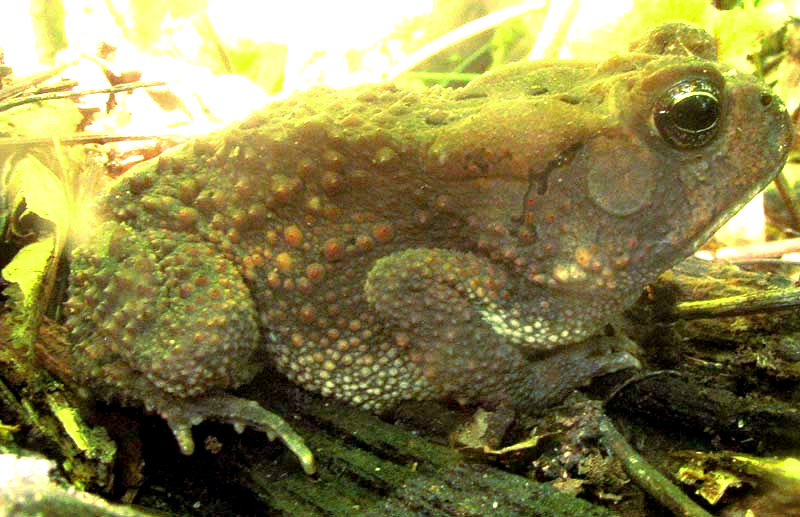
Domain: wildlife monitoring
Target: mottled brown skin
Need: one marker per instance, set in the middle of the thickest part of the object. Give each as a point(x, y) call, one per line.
point(379, 244)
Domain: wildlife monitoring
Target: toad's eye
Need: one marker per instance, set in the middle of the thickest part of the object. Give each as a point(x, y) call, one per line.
point(687, 114)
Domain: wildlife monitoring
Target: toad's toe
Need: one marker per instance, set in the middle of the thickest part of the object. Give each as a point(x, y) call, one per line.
point(240, 413)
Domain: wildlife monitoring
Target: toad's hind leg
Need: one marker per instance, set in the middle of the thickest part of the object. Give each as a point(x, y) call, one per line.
point(162, 319)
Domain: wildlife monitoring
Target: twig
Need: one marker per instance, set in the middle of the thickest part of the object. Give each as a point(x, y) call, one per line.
point(460, 34)
point(645, 475)
point(205, 28)
point(442, 77)
point(20, 86)
point(765, 301)
point(67, 95)
point(557, 22)
point(760, 250)
point(82, 138)
point(65, 85)
point(782, 186)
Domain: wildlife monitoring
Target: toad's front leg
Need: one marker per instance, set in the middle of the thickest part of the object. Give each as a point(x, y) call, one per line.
point(459, 324)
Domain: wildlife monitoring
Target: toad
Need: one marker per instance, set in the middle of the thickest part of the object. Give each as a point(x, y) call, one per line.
point(377, 244)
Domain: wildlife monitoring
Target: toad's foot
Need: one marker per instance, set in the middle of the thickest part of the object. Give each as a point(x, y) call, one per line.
point(547, 381)
point(184, 414)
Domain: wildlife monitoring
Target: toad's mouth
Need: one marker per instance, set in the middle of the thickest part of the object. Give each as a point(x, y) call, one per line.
point(700, 237)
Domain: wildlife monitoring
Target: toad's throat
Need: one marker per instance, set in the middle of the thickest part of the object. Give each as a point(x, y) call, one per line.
point(553, 324)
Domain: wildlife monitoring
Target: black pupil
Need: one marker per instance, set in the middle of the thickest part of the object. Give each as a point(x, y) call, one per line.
point(696, 112)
